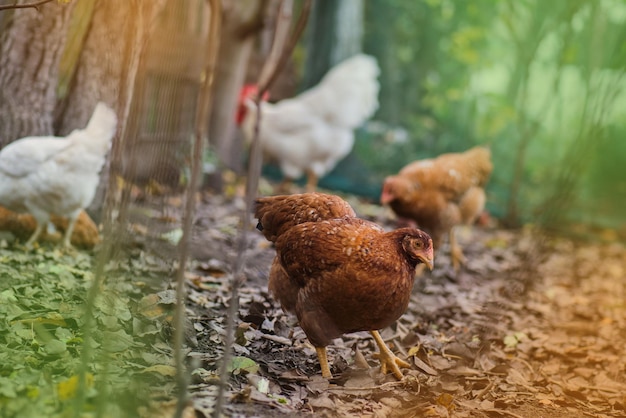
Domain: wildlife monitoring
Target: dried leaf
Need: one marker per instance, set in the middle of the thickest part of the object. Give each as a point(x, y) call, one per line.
point(322, 401)
point(358, 378)
point(317, 384)
point(446, 400)
point(423, 366)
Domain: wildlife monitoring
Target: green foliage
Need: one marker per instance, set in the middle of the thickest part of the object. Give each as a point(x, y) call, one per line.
point(541, 82)
point(42, 296)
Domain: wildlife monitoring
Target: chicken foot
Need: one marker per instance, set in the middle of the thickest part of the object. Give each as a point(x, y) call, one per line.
point(67, 237)
point(311, 183)
point(323, 359)
point(388, 360)
point(456, 252)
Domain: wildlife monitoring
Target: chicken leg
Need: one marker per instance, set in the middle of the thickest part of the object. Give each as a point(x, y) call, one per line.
point(67, 238)
point(36, 234)
point(323, 359)
point(311, 184)
point(456, 252)
point(388, 360)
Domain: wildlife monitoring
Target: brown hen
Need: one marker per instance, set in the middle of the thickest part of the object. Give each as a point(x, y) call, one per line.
point(22, 225)
point(441, 193)
point(338, 273)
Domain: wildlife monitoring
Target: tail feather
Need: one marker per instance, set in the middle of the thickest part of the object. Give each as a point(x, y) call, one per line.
point(277, 214)
point(348, 94)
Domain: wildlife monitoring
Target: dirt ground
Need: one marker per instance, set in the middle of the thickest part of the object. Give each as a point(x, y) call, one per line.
point(532, 326)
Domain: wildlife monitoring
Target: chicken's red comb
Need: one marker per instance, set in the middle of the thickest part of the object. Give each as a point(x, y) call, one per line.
point(250, 90)
point(247, 91)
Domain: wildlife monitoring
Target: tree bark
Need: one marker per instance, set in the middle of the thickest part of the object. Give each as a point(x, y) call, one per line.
point(241, 21)
point(108, 63)
point(108, 69)
point(31, 45)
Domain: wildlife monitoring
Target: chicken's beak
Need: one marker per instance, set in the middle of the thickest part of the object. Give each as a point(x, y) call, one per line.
point(429, 263)
point(428, 258)
point(385, 195)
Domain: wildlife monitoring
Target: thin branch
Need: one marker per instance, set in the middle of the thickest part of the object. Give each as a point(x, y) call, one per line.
point(271, 69)
point(34, 5)
point(110, 228)
point(255, 24)
point(276, 60)
point(203, 111)
point(300, 25)
point(281, 36)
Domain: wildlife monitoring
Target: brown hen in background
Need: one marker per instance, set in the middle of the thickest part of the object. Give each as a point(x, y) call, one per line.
point(85, 234)
point(440, 193)
point(338, 273)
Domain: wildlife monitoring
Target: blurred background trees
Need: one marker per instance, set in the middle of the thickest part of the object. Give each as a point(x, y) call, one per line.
point(540, 82)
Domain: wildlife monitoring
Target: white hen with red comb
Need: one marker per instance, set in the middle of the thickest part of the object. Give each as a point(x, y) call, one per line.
point(310, 133)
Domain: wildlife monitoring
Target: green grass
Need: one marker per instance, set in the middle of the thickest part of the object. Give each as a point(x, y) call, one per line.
point(42, 313)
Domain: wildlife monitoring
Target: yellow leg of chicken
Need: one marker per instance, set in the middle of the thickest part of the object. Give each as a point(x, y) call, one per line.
point(456, 253)
point(321, 355)
point(311, 184)
point(33, 238)
point(388, 360)
point(67, 238)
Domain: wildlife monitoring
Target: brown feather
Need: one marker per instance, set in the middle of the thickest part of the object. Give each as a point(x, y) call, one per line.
point(276, 214)
point(442, 192)
point(338, 273)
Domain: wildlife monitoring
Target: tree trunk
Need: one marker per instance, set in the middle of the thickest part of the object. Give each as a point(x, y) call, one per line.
point(99, 65)
point(109, 60)
point(31, 45)
point(107, 70)
point(241, 21)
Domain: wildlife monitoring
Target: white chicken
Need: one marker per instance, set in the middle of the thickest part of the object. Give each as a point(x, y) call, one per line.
point(46, 175)
point(310, 133)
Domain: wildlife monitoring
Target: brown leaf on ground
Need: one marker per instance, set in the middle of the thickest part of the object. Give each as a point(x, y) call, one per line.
point(513, 334)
